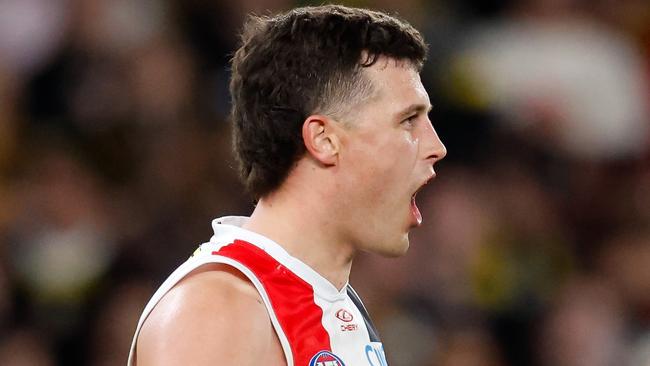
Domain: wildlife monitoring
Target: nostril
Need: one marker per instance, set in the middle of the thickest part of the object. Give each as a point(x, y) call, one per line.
point(439, 153)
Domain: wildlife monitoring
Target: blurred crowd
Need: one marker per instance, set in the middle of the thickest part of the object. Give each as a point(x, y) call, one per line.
point(115, 156)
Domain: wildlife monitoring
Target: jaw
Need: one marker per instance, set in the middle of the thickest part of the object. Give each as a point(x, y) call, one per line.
point(385, 236)
point(397, 248)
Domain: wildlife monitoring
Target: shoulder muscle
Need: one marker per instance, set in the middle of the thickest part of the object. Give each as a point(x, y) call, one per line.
point(213, 316)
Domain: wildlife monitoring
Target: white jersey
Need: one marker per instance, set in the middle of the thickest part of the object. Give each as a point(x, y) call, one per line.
point(317, 324)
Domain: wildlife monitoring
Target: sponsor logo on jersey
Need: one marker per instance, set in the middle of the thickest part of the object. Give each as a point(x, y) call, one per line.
point(344, 315)
point(325, 358)
point(375, 354)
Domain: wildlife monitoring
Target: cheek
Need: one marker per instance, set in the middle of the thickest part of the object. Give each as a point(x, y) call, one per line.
point(382, 164)
point(404, 151)
point(394, 170)
point(411, 137)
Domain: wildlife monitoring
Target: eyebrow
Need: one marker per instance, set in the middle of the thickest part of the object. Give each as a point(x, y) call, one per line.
point(415, 108)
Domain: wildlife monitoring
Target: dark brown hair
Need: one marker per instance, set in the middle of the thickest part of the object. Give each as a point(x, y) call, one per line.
point(299, 63)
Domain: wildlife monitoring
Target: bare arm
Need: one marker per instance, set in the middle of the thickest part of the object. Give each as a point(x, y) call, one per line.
point(214, 316)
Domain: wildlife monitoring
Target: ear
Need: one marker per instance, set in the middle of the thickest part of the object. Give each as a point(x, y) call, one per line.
point(321, 141)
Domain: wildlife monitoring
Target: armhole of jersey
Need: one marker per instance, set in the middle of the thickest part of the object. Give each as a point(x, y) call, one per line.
point(372, 331)
point(193, 264)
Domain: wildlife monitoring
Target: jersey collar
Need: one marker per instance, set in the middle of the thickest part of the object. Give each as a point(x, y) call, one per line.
point(229, 228)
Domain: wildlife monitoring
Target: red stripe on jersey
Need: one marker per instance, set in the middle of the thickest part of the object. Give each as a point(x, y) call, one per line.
point(291, 297)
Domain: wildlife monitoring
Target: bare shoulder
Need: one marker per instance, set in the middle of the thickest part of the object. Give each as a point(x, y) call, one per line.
point(213, 316)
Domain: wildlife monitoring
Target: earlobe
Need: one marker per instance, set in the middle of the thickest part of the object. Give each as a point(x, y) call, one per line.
point(320, 139)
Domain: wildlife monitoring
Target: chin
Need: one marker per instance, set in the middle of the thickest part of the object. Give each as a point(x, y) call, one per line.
point(395, 248)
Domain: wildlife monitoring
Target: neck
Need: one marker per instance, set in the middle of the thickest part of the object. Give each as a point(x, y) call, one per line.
point(305, 230)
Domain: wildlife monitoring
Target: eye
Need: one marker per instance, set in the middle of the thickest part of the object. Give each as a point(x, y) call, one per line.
point(410, 120)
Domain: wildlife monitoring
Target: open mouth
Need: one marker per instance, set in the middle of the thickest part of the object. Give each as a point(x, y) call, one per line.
point(415, 211)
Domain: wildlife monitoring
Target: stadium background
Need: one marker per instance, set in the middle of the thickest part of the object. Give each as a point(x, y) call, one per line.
point(114, 157)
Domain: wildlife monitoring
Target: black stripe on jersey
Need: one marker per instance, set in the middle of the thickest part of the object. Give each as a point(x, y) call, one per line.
point(372, 331)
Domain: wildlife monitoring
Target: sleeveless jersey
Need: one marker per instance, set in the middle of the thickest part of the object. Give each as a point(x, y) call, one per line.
point(317, 324)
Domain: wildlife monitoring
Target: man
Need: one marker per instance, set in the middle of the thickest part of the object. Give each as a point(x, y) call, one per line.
point(333, 140)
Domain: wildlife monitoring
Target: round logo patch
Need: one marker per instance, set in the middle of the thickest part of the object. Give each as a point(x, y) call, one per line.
point(344, 315)
point(325, 358)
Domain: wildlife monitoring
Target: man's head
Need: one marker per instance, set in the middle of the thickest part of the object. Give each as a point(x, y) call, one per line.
point(304, 62)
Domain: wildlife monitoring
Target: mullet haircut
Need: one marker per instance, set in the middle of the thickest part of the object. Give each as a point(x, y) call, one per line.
point(302, 62)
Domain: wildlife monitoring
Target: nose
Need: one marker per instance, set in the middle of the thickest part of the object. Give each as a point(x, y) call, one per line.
point(434, 150)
